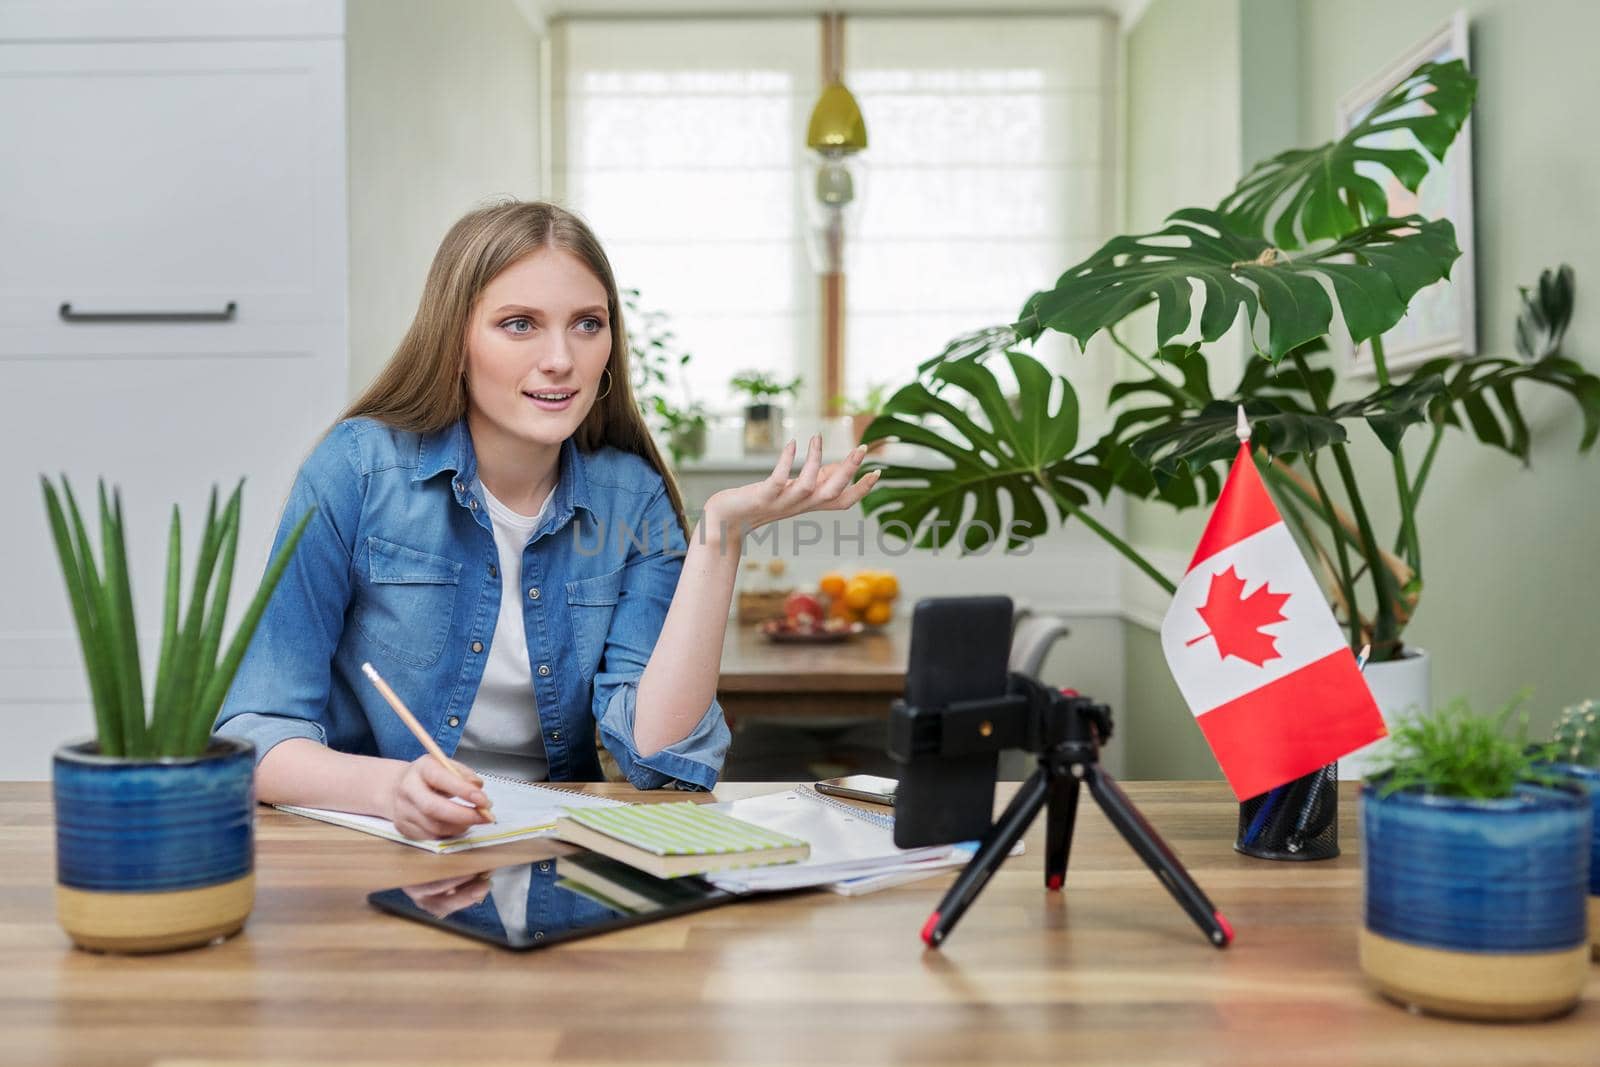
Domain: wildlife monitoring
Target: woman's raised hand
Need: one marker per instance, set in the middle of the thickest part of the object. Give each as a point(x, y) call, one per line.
point(818, 487)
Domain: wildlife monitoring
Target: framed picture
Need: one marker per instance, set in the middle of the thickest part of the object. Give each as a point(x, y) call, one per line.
point(1442, 320)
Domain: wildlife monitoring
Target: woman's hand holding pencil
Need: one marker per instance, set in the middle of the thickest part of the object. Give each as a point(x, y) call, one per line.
point(422, 805)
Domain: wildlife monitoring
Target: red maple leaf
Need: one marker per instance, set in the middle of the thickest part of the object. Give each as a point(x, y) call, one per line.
point(1236, 620)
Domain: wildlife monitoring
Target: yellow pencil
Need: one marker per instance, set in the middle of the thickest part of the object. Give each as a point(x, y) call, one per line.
point(415, 727)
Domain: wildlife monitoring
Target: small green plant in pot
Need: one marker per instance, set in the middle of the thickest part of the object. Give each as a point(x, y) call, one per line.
point(862, 412)
point(1575, 755)
point(1476, 871)
point(155, 816)
point(763, 413)
point(656, 359)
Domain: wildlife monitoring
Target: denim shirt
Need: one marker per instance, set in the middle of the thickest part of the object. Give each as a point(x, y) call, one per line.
point(399, 568)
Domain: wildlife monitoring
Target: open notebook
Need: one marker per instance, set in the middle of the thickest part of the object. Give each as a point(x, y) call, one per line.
point(521, 810)
point(847, 842)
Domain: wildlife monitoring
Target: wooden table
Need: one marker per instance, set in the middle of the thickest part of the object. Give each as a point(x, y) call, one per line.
point(1108, 972)
point(851, 679)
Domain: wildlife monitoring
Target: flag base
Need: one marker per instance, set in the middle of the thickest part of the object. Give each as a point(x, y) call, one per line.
point(1296, 821)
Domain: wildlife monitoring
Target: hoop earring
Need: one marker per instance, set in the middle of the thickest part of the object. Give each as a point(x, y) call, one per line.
point(607, 390)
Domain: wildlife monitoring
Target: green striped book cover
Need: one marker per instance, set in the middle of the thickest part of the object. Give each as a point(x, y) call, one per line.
point(681, 829)
point(670, 840)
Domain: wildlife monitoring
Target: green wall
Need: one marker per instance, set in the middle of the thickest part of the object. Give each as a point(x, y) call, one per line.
point(1507, 551)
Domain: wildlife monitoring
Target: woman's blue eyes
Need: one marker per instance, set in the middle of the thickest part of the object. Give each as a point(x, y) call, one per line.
point(520, 325)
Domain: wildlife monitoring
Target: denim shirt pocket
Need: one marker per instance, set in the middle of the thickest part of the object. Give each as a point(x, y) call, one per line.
point(592, 602)
point(408, 602)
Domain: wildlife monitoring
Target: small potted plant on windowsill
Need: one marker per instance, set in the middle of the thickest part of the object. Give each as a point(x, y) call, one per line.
point(155, 815)
point(1476, 865)
point(862, 412)
point(1575, 755)
point(763, 414)
point(685, 429)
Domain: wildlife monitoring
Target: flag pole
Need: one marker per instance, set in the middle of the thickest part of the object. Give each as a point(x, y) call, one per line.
point(1243, 429)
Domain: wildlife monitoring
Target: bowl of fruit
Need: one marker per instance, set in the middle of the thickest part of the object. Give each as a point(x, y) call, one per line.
point(838, 609)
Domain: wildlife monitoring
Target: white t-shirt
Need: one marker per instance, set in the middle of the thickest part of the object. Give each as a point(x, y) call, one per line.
point(502, 735)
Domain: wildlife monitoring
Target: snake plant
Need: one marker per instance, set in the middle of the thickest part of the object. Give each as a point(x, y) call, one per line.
point(190, 678)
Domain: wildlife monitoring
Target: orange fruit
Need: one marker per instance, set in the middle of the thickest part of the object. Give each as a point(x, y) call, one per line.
point(885, 586)
point(858, 592)
point(838, 609)
point(831, 584)
point(877, 613)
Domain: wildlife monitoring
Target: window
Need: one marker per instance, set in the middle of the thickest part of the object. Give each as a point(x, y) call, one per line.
point(681, 141)
point(987, 176)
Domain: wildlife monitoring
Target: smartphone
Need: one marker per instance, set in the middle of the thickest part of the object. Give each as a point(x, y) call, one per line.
point(867, 787)
point(960, 650)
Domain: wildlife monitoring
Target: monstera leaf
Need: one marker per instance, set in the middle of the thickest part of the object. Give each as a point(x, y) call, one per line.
point(1153, 403)
point(1143, 404)
point(1306, 195)
point(1283, 426)
point(1374, 272)
point(1480, 395)
point(978, 345)
point(987, 453)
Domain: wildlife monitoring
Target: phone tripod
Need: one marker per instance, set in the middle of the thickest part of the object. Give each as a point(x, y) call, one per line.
point(1066, 733)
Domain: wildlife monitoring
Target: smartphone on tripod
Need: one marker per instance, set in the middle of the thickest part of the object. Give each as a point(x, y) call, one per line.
point(960, 648)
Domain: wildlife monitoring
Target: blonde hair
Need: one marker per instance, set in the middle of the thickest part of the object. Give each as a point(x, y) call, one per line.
point(423, 388)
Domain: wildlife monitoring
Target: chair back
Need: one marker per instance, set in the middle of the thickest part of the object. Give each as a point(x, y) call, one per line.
point(1032, 640)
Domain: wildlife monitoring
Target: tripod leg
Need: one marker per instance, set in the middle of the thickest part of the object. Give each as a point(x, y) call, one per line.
point(996, 844)
point(1059, 821)
point(1156, 855)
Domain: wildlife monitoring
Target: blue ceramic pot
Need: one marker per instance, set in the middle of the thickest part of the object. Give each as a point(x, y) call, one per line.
point(1589, 779)
point(154, 854)
point(1477, 907)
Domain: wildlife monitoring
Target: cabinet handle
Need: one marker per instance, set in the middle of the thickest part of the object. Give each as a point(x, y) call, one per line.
point(225, 315)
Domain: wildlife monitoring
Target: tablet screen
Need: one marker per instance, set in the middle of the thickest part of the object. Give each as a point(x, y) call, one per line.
point(547, 901)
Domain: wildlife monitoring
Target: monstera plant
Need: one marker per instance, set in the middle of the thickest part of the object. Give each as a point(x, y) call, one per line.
point(1303, 237)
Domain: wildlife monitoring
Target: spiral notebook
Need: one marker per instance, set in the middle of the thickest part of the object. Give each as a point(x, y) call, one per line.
point(521, 810)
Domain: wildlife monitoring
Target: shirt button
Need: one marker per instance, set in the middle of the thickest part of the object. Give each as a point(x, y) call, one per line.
point(477, 646)
point(454, 721)
point(544, 670)
point(538, 935)
point(494, 572)
point(460, 488)
point(472, 503)
point(544, 866)
point(533, 594)
point(555, 735)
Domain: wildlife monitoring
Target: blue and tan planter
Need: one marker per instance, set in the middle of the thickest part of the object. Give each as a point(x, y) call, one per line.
point(1477, 908)
point(1589, 778)
point(156, 854)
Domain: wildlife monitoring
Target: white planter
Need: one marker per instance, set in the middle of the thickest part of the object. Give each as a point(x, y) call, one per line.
point(1401, 688)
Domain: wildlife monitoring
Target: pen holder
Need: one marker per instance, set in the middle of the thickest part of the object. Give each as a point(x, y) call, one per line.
point(1296, 821)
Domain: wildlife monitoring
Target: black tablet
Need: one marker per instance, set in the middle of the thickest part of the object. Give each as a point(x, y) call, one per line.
point(548, 901)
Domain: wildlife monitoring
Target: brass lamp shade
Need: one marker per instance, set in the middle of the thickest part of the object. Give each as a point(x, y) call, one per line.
point(836, 122)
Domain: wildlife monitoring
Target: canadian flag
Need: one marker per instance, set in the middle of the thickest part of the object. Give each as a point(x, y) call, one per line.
point(1256, 652)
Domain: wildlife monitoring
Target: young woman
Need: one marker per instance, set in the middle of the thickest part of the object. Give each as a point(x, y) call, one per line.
point(497, 534)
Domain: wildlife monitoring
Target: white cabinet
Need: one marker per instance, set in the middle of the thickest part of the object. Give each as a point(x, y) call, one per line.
point(155, 181)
